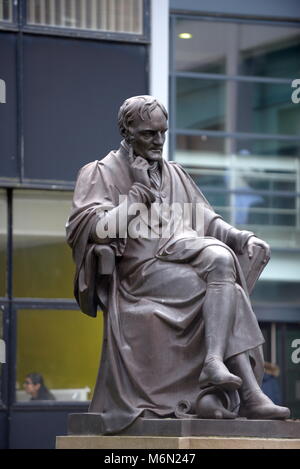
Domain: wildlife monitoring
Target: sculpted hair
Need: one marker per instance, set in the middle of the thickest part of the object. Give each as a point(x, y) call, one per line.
point(137, 106)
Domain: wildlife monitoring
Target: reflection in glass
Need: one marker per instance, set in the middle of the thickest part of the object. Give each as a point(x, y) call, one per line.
point(252, 191)
point(261, 107)
point(237, 48)
point(98, 15)
point(267, 108)
point(3, 241)
point(269, 51)
point(6, 10)
point(200, 104)
point(270, 149)
point(62, 346)
point(204, 151)
point(206, 50)
point(43, 265)
point(276, 292)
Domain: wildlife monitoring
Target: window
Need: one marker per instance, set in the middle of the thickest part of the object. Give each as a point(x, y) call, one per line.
point(236, 48)
point(6, 10)
point(235, 128)
point(43, 265)
point(118, 16)
point(62, 346)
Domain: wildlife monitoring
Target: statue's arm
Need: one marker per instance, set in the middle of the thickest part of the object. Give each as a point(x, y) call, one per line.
point(239, 241)
point(234, 238)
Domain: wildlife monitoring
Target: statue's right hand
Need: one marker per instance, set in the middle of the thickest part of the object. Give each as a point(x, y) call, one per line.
point(139, 169)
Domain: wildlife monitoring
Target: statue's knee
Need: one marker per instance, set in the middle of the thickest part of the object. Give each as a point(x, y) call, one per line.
point(223, 261)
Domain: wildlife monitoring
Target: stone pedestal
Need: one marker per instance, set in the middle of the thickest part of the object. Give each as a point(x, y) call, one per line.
point(85, 431)
point(172, 443)
point(90, 424)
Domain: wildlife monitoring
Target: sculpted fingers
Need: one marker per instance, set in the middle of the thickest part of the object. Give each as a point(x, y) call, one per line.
point(140, 163)
point(253, 241)
point(140, 171)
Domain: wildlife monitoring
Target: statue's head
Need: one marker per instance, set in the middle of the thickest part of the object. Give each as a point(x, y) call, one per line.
point(143, 122)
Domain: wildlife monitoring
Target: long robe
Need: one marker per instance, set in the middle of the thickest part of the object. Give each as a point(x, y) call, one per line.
point(153, 347)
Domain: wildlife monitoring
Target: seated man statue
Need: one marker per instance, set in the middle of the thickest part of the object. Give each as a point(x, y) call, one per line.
point(178, 319)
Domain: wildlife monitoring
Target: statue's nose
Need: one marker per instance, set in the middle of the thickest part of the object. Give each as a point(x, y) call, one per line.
point(159, 138)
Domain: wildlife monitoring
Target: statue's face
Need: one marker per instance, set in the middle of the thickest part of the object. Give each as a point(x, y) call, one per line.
point(148, 136)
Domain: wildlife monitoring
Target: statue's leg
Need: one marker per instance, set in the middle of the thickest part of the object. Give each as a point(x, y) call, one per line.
point(215, 265)
point(254, 403)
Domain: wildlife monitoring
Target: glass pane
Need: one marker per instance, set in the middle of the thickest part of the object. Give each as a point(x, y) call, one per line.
point(200, 104)
point(43, 265)
point(269, 51)
point(261, 107)
point(267, 292)
point(237, 49)
point(200, 151)
point(3, 241)
point(121, 16)
point(63, 347)
point(259, 209)
point(6, 10)
point(267, 108)
point(284, 266)
point(274, 155)
point(205, 49)
point(255, 191)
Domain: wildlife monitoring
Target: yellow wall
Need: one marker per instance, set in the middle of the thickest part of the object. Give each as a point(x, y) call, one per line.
point(64, 346)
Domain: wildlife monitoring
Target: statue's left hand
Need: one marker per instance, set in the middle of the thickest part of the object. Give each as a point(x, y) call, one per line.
point(253, 241)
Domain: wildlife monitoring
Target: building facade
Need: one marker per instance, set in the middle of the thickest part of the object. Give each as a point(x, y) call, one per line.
point(225, 71)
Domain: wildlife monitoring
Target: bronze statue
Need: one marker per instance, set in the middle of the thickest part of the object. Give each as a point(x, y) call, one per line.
point(180, 334)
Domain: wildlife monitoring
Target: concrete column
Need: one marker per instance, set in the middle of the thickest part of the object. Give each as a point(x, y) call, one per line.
point(159, 54)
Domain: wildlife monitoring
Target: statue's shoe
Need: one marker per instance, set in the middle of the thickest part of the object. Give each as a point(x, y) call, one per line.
point(215, 373)
point(259, 406)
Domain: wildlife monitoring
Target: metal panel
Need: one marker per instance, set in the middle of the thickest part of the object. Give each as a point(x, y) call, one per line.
point(72, 93)
point(3, 429)
point(8, 106)
point(36, 427)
